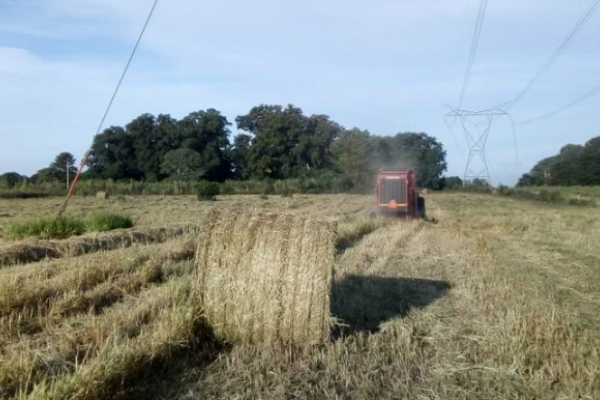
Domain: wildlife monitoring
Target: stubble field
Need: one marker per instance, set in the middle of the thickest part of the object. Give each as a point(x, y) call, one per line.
point(491, 298)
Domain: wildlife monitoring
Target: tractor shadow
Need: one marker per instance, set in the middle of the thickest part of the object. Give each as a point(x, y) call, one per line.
point(363, 303)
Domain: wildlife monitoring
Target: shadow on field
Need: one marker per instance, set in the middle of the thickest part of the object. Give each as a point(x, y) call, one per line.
point(364, 302)
point(171, 377)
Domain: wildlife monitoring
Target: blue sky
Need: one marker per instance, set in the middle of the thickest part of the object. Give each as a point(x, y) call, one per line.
point(384, 65)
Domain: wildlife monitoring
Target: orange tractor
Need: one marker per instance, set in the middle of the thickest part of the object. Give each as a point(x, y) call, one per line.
point(397, 195)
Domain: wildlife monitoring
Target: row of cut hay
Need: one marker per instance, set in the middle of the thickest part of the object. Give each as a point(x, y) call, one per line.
point(261, 279)
point(122, 364)
point(36, 250)
point(83, 342)
point(31, 298)
point(351, 230)
point(266, 278)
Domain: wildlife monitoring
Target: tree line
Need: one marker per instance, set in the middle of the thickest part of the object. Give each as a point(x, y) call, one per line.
point(573, 165)
point(273, 143)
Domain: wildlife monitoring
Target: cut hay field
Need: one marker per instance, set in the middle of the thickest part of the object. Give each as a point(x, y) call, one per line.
point(491, 298)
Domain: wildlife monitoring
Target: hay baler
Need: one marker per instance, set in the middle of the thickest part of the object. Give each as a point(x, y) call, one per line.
point(397, 195)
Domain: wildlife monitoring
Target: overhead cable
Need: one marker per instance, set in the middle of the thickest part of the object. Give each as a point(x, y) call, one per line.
point(473, 51)
point(555, 55)
point(595, 90)
point(110, 103)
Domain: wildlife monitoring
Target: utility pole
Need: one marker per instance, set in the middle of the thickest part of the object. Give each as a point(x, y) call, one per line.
point(68, 175)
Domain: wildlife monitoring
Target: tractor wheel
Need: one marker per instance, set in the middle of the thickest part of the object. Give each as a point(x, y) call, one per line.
point(421, 207)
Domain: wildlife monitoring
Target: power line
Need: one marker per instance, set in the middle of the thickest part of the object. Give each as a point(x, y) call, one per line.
point(563, 108)
point(137, 44)
point(555, 55)
point(473, 51)
point(467, 77)
point(110, 103)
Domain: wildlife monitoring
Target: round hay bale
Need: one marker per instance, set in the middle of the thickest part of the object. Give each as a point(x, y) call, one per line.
point(266, 278)
point(102, 195)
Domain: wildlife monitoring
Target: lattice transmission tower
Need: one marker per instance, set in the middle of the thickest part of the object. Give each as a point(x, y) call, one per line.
point(476, 127)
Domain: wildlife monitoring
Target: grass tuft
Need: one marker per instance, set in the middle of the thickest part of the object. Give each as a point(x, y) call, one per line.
point(207, 191)
point(46, 228)
point(64, 227)
point(109, 222)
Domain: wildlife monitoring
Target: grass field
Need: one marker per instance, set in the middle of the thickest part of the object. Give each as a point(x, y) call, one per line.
point(491, 298)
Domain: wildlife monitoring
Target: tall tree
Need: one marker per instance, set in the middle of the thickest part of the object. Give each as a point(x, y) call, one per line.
point(148, 146)
point(313, 149)
point(535, 177)
point(276, 132)
point(11, 179)
point(239, 155)
point(359, 155)
point(183, 164)
point(453, 183)
point(207, 132)
point(113, 156)
point(590, 162)
point(57, 170)
point(286, 143)
point(566, 168)
point(421, 152)
point(63, 162)
point(573, 165)
point(353, 153)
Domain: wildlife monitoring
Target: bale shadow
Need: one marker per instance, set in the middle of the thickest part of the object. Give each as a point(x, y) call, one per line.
point(171, 377)
point(364, 302)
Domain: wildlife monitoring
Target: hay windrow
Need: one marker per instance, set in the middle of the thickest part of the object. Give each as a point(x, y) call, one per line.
point(37, 250)
point(98, 347)
point(266, 278)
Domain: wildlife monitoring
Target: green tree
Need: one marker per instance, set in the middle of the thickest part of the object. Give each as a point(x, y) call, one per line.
point(313, 148)
point(567, 169)
point(535, 177)
point(207, 132)
point(139, 151)
point(63, 162)
point(453, 183)
point(526, 180)
point(11, 179)
point(573, 165)
point(57, 170)
point(417, 151)
point(359, 155)
point(183, 164)
point(239, 155)
point(276, 132)
point(353, 153)
point(590, 163)
point(113, 156)
point(477, 183)
point(152, 139)
point(286, 143)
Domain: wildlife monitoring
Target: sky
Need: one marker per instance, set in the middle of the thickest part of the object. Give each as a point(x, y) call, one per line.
point(386, 66)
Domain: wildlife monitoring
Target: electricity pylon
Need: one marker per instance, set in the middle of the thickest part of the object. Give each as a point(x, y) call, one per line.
point(476, 126)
